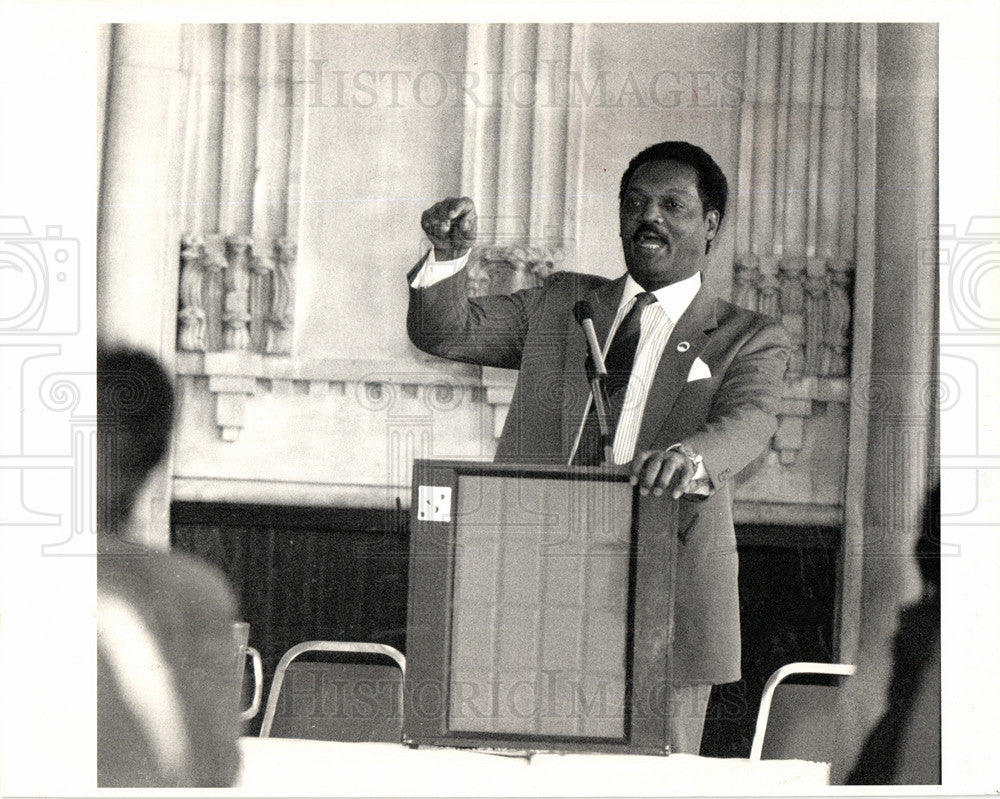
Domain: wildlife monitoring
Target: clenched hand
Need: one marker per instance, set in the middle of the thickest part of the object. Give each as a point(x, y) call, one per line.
point(451, 226)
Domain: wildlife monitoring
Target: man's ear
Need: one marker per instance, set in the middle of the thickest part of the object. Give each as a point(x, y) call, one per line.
point(711, 224)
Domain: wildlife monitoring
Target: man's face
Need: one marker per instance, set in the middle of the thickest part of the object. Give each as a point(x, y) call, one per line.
point(663, 229)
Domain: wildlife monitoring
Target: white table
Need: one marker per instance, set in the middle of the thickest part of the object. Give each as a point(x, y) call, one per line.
point(292, 767)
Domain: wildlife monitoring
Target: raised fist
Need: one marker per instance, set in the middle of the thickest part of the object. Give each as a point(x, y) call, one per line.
point(451, 226)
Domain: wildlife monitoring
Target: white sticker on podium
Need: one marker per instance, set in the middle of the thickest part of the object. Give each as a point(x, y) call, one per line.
point(434, 503)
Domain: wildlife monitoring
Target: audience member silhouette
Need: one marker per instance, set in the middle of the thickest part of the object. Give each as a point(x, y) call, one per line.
point(904, 748)
point(166, 678)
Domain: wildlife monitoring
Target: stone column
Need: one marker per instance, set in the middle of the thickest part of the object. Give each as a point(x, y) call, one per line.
point(521, 160)
point(796, 196)
point(520, 154)
point(901, 385)
point(138, 216)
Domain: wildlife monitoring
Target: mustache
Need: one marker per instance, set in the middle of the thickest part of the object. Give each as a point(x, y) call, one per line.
point(649, 229)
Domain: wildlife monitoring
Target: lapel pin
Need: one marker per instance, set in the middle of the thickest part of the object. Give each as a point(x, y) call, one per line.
point(683, 346)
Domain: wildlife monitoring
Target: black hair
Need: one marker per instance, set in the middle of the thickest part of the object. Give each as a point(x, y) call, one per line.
point(135, 408)
point(713, 190)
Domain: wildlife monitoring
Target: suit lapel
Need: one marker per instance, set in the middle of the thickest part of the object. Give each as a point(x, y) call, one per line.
point(672, 372)
point(604, 302)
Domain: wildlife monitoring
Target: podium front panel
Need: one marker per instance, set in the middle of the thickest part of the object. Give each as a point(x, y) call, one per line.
point(538, 639)
point(522, 613)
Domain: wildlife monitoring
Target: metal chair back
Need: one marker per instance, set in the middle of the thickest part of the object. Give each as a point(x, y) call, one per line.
point(795, 721)
point(355, 698)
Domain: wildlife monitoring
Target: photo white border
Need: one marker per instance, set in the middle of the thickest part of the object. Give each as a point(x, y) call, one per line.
point(48, 173)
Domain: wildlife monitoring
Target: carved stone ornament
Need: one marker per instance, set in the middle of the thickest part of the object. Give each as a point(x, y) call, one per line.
point(191, 316)
point(255, 309)
point(236, 308)
point(279, 318)
point(504, 269)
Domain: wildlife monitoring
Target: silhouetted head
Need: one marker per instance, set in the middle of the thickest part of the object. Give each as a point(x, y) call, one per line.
point(928, 550)
point(135, 407)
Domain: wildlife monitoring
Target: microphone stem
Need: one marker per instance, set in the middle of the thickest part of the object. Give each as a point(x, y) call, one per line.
point(597, 389)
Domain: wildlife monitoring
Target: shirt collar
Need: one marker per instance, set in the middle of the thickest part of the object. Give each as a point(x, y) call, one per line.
point(674, 298)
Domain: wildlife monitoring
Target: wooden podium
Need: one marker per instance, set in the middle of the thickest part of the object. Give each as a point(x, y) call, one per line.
point(540, 609)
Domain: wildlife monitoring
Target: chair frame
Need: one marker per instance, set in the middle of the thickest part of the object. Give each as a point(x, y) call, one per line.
point(258, 684)
point(320, 646)
point(779, 675)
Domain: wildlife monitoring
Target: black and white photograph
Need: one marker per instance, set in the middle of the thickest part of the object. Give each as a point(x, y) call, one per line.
point(499, 402)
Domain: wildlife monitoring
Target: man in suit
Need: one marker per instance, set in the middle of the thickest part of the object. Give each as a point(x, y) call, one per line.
point(694, 383)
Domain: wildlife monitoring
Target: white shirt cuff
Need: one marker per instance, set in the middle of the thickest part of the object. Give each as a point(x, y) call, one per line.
point(435, 271)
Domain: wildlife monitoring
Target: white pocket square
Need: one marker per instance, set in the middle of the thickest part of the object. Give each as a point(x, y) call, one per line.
point(699, 370)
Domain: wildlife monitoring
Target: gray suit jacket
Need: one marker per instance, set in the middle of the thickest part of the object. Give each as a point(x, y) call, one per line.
point(728, 417)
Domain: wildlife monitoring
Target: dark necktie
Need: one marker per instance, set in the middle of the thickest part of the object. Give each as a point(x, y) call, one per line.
point(621, 353)
point(618, 363)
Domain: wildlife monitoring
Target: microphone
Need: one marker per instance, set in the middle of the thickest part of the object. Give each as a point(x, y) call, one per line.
point(584, 316)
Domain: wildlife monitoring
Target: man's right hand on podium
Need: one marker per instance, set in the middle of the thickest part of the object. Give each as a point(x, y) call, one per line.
point(451, 226)
point(659, 471)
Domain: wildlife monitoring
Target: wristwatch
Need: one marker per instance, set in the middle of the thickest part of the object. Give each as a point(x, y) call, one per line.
point(688, 453)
